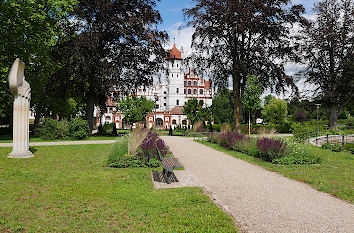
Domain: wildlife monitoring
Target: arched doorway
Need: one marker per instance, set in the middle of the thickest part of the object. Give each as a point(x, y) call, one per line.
point(159, 123)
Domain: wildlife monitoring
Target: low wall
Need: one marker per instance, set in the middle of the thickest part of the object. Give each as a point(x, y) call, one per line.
point(333, 139)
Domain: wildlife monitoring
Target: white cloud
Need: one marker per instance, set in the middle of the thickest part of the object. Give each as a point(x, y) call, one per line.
point(181, 36)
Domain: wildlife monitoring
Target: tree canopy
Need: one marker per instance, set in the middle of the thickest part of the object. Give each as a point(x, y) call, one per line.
point(114, 47)
point(134, 108)
point(327, 48)
point(276, 111)
point(237, 38)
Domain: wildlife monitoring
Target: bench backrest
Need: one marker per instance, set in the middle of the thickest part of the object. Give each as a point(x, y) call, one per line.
point(158, 151)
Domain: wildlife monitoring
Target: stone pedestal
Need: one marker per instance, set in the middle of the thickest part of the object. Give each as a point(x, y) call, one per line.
point(21, 128)
point(21, 91)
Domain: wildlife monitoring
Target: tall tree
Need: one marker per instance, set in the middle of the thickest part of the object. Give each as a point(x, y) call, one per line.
point(251, 101)
point(115, 47)
point(28, 30)
point(135, 109)
point(327, 50)
point(236, 38)
point(222, 107)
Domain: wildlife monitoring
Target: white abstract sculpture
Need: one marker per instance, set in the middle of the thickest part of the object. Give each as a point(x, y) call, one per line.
point(21, 90)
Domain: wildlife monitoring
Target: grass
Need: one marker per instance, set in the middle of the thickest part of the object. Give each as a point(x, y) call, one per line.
point(68, 189)
point(335, 174)
point(8, 139)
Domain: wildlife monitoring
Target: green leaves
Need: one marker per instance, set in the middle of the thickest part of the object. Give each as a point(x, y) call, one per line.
point(253, 89)
point(135, 109)
point(276, 111)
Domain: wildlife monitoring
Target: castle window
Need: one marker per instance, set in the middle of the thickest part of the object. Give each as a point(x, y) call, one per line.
point(172, 75)
point(185, 92)
point(177, 102)
point(189, 91)
point(174, 122)
point(177, 64)
point(195, 91)
point(177, 90)
point(189, 83)
point(195, 83)
point(185, 83)
point(164, 104)
point(177, 75)
point(201, 91)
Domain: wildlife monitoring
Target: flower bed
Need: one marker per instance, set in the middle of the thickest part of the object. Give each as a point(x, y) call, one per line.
point(277, 151)
point(145, 155)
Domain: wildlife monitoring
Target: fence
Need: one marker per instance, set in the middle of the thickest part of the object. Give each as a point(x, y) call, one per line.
point(332, 139)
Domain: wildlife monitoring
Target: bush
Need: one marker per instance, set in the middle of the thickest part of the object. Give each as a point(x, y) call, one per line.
point(300, 116)
point(270, 149)
point(147, 149)
point(78, 128)
point(349, 147)
point(228, 139)
point(51, 129)
point(283, 128)
point(302, 131)
point(333, 147)
point(248, 146)
point(134, 161)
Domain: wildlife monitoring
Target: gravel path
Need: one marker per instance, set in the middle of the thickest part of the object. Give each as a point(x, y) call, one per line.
point(64, 143)
point(260, 200)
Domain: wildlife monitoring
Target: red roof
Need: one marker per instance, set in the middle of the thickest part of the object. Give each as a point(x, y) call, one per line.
point(178, 110)
point(175, 53)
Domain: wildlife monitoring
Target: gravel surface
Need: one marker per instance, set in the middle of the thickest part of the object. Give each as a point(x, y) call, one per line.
point(64, 143)
point(260, 200)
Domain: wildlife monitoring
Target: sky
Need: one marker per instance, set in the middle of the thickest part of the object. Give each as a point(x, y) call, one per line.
point(175, 25)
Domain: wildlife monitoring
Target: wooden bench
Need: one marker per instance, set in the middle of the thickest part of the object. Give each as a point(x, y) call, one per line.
point(168, 164)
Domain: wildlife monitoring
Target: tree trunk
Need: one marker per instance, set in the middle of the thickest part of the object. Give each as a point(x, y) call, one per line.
point(237, 102)
point(89, 111)
point(37, 119)
point(333, 117)
point(249, 123)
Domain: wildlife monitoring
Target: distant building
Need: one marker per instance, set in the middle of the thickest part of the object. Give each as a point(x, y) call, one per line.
point(171, 95)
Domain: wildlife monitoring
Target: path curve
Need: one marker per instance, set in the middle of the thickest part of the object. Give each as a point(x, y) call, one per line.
point(261, 200)
point(64, 143)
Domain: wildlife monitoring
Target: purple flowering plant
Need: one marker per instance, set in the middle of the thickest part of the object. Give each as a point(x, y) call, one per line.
point(270, 149)
point(147, 148)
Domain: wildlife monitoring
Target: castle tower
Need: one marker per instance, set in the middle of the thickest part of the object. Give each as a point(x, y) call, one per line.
point(175, 80)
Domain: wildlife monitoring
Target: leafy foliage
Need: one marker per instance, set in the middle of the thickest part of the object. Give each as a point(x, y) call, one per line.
point(222, 107)
point(326, 47)
point(237, 38)
point(134, 108)
point(275, 112)
point(78, 128)
point(270, 149)
point(52, 129)
point(195, 111)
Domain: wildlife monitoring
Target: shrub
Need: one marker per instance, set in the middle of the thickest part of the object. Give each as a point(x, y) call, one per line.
point(247, 145)
point(349, 147)
point(213, 137)
point(134, 161)
point(298, 153)
point(270, 149)
point(52, 129)
point(78, 128)
point(302, 131)
point(283, 127)
point(147, 148)
point(300, 116)
point(228, 139)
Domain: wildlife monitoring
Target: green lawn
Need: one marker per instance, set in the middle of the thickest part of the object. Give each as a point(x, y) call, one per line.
point(69, 189)
point(335, 174)
point(8, 139)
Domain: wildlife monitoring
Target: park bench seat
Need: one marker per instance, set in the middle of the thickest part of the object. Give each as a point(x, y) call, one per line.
point(168, 164)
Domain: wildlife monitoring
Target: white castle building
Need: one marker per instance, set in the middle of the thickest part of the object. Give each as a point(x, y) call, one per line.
point(170, 95)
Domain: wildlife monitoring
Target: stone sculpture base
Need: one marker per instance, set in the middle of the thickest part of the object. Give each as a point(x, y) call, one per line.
point(23, 155)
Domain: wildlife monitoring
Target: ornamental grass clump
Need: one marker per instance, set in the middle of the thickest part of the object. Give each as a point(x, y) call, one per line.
point(270, 149)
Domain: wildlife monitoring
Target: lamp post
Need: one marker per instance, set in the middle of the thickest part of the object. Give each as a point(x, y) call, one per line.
point(317, 106)
point(156, 99)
